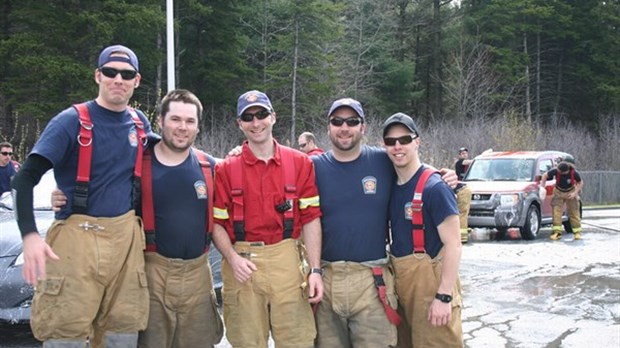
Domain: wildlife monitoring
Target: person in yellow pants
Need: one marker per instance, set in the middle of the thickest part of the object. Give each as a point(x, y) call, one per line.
point(463, 200)
point(568, 185)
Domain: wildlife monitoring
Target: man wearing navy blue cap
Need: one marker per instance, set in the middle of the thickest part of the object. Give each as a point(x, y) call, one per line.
point(89, 270)
point(265, 200)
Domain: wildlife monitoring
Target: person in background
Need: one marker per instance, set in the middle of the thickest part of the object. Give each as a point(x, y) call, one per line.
point(265, 200)
point(307, 143)
point(8, 167)
point(463, 193)
point(568, 185)
point(462, 163)
point(425, 246)
point(88, 273)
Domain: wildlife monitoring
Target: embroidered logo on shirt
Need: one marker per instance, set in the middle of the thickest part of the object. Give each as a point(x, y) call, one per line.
point(133, 137)
point(369, 184)
point(201, 189)
point(408, 211)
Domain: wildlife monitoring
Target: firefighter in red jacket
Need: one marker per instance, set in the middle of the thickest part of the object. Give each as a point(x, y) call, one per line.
point(568, 185)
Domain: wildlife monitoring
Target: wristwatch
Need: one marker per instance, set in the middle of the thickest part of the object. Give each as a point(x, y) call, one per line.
point(317, 270)
point(443, 298)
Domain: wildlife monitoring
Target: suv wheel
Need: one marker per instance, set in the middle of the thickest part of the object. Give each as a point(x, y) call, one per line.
point(529, 231)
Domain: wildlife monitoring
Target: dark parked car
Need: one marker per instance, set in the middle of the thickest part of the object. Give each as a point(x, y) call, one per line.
point(15, 294)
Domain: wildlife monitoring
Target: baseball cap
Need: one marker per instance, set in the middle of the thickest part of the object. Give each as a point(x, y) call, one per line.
point(253, 98)
point(461, 149)
point(352, 103)
point(106, 56)
point(400, 118)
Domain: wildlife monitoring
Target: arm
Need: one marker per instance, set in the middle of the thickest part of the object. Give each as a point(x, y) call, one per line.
point(440, 313)
point(311, 234)
point(577, 190)
point(36, 251)
point(242, 268)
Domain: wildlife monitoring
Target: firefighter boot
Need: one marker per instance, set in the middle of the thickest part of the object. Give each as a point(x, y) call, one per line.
point(556, 233)
point(464, 236)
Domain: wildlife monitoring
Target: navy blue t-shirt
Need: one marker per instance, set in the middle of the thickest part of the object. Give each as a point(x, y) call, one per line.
point(115, 144)
point(439, 202)
point(180, 203)
point(354, 202)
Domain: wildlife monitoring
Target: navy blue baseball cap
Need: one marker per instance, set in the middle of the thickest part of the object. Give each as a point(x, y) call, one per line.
point(106, 56)
point(253, 98)
point(349, 102)
point(403, 119)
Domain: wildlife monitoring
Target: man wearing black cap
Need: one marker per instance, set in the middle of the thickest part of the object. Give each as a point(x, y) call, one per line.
point(89, 271)
point(425, 247)
point(265, 200)
point(355, 182)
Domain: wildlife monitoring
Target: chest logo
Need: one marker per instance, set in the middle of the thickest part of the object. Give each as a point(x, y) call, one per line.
point(201, 189)
point(369, 184)
point(133, 137)
point(408, 211)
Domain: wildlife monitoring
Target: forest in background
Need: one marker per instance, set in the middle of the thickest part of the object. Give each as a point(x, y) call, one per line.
point(502, 74)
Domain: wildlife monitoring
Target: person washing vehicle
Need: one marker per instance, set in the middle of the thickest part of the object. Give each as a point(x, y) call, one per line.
point(568, 185)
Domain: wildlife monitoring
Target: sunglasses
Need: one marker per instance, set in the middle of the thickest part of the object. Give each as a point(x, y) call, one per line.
point(7, 153)
point(404, 140)
point(301, 146)
point(125, 74)
point(261, 115)
point(351, 122)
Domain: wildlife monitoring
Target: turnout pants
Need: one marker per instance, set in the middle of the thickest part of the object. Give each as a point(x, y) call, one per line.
point(273, 299)
point(351, 314)
point(463, 200)
point(183, 310)
point(417, 279)
point(572, 207)
point(97, 289)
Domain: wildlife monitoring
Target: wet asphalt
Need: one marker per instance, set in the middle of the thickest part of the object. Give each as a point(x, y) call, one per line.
point(518, 293)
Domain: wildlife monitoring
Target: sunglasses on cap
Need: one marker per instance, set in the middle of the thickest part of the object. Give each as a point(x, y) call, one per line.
point(111, 73)
point(7, 153)
point(248, 117)
point(351, 122)
point(404, 140)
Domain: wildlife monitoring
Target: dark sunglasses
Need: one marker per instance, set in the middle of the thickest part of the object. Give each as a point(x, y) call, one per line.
point(7, 153)
point(351, 122)
point(125, 74)
point(301, 146)
point(261, 115)
point(404, 140)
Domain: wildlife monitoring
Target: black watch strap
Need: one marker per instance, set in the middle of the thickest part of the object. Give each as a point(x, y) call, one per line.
point(317, 270)
point(445, 298)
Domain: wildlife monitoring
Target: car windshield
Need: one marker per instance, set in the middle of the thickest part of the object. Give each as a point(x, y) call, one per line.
point(501, 169)
point(42, 195)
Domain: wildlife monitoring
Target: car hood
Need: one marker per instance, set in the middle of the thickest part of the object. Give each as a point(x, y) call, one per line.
point(497, 186)
point(10, 238)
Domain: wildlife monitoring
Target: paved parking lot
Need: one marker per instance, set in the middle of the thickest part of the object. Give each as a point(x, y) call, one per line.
point(523, 294)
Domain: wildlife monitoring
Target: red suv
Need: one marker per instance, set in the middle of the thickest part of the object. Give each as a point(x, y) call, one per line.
point(505, 194)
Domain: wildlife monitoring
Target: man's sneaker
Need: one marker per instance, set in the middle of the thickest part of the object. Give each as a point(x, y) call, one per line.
point(577, 235)
point(556, 235)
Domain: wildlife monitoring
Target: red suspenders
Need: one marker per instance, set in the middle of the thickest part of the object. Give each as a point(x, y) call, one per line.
point(148, 211)
point(290, 190)
point(417, 217)
point(85, 140)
